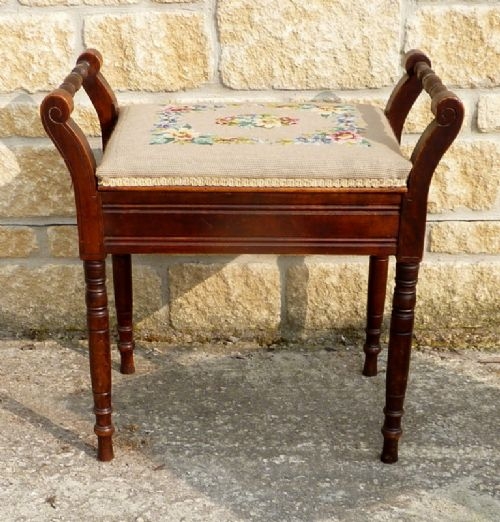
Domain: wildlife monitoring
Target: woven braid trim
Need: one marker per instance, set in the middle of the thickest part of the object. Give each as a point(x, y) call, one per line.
point(214, 181)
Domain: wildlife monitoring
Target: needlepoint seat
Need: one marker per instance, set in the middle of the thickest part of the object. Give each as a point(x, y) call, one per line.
point(232, 178)
point(272, 145)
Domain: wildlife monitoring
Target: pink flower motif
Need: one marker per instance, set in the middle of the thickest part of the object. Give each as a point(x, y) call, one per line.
point(346, 136)
point(178, 108)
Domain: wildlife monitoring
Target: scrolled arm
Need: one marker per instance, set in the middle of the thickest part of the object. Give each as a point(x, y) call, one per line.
point(58, 105)
point(448, 113)
point(72, 144)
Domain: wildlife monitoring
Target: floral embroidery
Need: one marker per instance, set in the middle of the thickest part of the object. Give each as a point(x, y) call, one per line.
point(346, 126)
point(235, 140)
point(326, 111)
point(327, 138)
point(185, 135)
point(347, 129)
point(267, 121)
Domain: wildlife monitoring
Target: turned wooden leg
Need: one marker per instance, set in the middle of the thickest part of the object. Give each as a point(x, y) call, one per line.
point(377, 283)
point(122, 279)
point(398, 362)
point(100, 354)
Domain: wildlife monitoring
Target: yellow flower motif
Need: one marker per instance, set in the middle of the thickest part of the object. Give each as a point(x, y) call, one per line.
point(268, 121)
point(346, 137)
point(183, 134)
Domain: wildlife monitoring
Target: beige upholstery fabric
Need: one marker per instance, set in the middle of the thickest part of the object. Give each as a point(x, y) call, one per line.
point(253, 145)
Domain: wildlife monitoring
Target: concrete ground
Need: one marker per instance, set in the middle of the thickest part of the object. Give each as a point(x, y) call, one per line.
point(241, 433)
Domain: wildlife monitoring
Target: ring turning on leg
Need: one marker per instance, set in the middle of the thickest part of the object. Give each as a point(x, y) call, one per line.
point(377, 283)
point(100, 354)
point(398, 362)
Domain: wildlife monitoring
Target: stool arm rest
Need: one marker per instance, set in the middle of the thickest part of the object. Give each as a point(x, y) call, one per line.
point(448, 113)
point(418, 76)
point(437, 137)
point(100, 93)
point(74, 147)
point(67, 136)
point(405, 93)
point(437, 91)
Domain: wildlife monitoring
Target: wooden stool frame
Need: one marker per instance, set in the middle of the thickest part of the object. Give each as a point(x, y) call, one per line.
point(377, 222)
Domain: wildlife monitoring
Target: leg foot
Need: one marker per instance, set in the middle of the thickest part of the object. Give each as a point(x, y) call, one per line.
point(122, 279)
point(104, 448)
point(389, 451)
point(377, 283)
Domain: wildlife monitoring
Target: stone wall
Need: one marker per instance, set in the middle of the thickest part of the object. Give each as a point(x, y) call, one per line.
point(250, 49)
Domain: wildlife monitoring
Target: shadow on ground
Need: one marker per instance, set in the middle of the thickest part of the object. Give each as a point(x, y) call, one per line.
point(238, 433)
point(295, 434)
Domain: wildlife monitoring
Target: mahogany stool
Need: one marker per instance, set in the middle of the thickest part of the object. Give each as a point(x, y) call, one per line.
point(266, 178)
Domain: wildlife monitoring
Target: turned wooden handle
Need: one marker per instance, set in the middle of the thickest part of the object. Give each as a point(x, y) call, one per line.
point(88, 64)
point(444, 103)
point(58, 104)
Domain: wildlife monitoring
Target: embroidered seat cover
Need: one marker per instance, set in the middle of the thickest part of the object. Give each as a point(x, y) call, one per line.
point(317, 144)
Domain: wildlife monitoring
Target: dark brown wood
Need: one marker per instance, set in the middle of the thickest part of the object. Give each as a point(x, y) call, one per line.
point(99, 354)
point(378, 223)
point(100, 93)
point(239, 222)
point(405, 93)
point(377, 284)
point(74, 148)
point(122, 283)
point(398, 362)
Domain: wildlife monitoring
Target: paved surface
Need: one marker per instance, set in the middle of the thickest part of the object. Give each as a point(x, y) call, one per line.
point(236, 433)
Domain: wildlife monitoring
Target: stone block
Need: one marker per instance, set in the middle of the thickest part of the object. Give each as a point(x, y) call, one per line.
point(147, 288)
point(308, 45)
point(20, 118)
point(325, 294)
point(420, 115)
point(477, 237)
point(467, 177)
point(63, 241)
point(157, 51)
point(459, 295)
point(24, 306)
point(86, 117)
point(35, 50)
point(9, 167)
point(17, 241)
point(458, 300)
point(462, 41)
point(218, 300)
point(488, 112)
point(49, 3)
point(34, 182)
point(69, 3)
point(109, 2)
